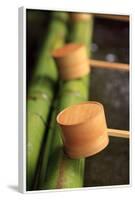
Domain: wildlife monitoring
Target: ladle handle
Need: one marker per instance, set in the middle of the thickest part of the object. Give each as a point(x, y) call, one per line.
point(108, 65)
point(118, 133)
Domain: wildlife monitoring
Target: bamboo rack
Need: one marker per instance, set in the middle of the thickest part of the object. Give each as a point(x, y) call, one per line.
point(60, 167)
point(41, 93)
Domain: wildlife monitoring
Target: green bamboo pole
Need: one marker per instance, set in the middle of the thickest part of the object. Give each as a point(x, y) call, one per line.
point(46, 151)
point(63, 172)
point(41, 93)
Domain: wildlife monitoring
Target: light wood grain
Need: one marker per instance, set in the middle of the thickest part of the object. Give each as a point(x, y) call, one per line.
point(84, 129)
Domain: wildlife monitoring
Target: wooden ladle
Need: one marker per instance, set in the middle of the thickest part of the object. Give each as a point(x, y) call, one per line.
point(72, 61)
point(84, 129)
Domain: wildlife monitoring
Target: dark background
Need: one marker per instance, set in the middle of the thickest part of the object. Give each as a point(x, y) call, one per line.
point(110, 87)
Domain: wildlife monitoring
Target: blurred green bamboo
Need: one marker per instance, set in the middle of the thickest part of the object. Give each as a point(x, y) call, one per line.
point(41, 93)
point(63, 172)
